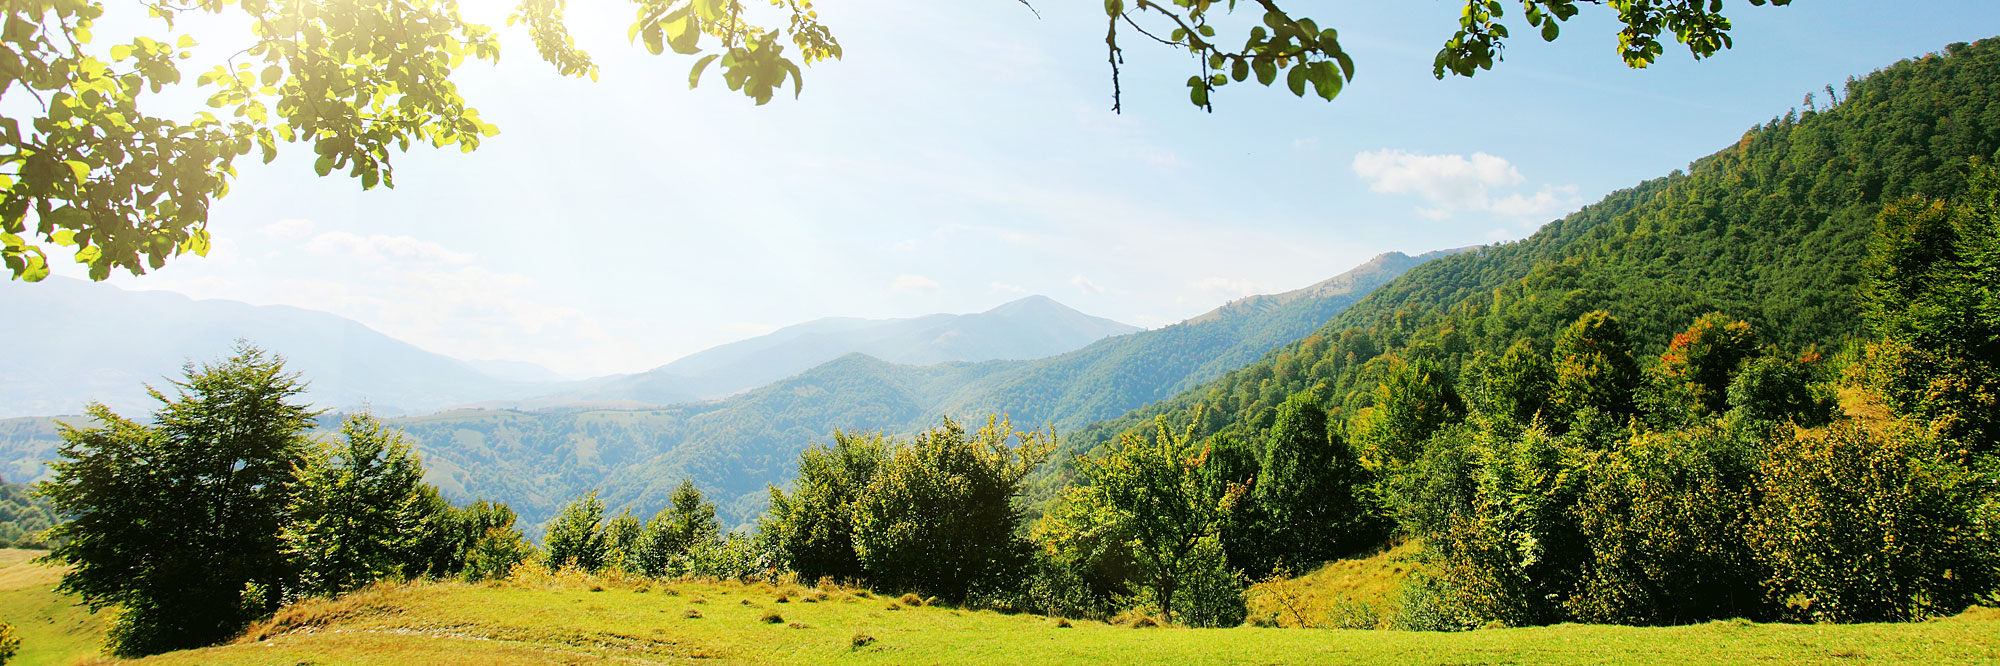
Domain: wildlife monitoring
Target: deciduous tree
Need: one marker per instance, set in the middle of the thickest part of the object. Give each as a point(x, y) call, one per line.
point(177, 523)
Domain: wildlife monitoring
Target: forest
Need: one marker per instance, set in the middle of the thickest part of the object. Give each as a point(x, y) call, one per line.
point(1765, 388)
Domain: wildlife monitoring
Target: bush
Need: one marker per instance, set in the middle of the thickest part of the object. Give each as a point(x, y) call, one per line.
point(1664, 517)
point(576, 536)
point(9, 643)
point(1865, 527)
point(940, 517)
point(1212, 594)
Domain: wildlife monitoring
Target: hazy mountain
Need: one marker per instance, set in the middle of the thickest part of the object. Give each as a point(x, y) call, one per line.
point(736, 447)
point(72, 342)
point(1032, 327)
point(517, 371)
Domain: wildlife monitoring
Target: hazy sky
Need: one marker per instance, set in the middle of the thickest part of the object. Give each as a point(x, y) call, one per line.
point(964, 154)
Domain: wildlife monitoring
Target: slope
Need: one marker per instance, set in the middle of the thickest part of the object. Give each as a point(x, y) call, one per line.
point(1028, 328)
point(735, 448)
point(1771, 230)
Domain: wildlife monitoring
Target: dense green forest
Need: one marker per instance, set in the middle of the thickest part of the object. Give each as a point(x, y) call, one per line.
point(1772, 230)
point(23, 516)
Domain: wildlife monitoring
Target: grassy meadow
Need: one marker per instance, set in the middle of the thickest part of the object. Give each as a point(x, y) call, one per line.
point(585, 621)
point(578, 620)
point(53, 629)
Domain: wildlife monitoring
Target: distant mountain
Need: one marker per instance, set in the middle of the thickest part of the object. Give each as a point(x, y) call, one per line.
point(635, 453)
point(1032, 327)
point(517, 371)
point(71, 342)
point(735, 447)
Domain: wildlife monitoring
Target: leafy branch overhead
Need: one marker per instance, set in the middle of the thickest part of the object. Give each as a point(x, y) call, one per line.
point(97, 165)
point(1310, 54)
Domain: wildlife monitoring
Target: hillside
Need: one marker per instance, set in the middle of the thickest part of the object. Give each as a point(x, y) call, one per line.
point(1028, 328)
point(140, 337)
point(582, 622)
point(736, 447)
point(1771, 230)
point(54, 630)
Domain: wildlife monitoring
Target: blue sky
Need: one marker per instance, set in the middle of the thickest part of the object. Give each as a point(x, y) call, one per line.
point(964, 154)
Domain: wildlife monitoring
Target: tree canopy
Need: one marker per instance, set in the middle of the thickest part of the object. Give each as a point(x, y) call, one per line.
point(105, 166)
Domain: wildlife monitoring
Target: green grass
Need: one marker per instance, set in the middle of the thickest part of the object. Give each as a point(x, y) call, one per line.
point(53, 629)
point(1356, 593)
point(446, 624)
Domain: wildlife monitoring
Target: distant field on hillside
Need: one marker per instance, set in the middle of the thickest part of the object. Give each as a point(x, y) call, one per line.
point(53, 630)
point(582, 623)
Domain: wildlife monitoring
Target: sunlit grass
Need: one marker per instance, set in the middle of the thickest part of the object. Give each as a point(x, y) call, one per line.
point(53, 629)
point(444, 624)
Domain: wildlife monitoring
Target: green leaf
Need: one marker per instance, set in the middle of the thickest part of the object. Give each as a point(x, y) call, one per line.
point(1266, 72)
point(1240, 70)
point(197, 242)
point(272, 74)
point(81, 170)
point(694, 75)
point(64, 237)
point(1296, 79)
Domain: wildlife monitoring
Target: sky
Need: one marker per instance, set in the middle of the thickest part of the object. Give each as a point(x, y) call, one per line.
point(964, 154)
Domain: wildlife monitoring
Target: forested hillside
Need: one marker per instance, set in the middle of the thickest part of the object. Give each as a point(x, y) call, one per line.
point(1772, 230)
point(23, 516)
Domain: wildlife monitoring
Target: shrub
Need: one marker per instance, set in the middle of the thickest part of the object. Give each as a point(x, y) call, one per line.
point(1664, 517)
point(940, 518)
point(1864, 527)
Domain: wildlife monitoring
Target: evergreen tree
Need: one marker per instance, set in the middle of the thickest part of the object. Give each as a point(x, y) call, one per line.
point(576, 536)
point(356, 513)
point(178, 523)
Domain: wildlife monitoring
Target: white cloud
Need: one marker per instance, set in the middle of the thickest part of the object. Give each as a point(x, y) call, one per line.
point(289, 228)
point(1086, 285)
point(904, 246)
point(1005, 288)
point(379, 247)
point(913, 283)
point(1452, 184)
point(1549, 201)
point(1230, 288)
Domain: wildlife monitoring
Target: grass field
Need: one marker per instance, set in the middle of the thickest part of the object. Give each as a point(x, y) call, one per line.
point(53, 629)
point(585, 621)
point(447, 624)
point(1351, 594)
